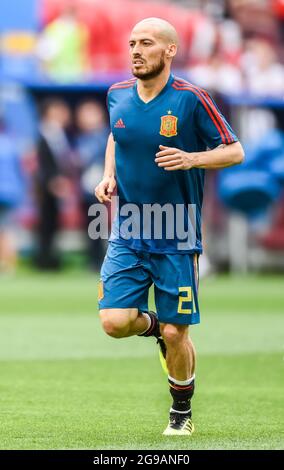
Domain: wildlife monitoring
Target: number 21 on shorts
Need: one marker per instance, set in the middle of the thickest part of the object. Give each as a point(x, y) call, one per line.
point(186, 295)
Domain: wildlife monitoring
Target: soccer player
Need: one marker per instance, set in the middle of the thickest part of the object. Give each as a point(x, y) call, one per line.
point(164, 133)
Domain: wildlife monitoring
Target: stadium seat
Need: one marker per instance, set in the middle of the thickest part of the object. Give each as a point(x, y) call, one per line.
point(272, 144)
point(248, 191)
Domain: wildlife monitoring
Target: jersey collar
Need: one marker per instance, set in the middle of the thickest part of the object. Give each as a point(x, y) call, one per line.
point(156, 98)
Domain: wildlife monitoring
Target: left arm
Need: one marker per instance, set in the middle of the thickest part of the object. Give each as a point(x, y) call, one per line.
point(222, 156)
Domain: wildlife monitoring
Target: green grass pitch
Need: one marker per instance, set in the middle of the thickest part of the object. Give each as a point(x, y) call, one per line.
point(66, 385)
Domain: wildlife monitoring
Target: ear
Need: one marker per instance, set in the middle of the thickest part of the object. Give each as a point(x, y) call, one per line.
point(171, 50)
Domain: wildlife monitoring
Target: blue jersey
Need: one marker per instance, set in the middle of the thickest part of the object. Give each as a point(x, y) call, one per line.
point(181, 116)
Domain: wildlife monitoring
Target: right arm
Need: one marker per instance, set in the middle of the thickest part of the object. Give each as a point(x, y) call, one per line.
point(106, 187)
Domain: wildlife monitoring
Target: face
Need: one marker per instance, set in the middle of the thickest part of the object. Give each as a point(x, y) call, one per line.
point(147, 53)
point(90, 117)
point(60, 114)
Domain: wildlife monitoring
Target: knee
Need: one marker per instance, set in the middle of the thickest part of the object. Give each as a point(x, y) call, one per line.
point(173, 334)
point(113, 327)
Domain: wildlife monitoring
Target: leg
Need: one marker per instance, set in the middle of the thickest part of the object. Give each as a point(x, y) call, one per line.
point(121, 322)
point(180, 351)
point(177, 306)
point(47, 257)
point(181, 363)
point(124, 284)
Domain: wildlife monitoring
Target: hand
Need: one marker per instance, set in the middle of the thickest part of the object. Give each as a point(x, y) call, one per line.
point(105, 189)
point(171, 159)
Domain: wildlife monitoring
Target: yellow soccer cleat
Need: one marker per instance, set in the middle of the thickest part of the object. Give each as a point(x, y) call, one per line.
point(180, 424)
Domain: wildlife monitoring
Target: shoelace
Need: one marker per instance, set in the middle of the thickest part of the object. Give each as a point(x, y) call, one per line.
point(178, 419)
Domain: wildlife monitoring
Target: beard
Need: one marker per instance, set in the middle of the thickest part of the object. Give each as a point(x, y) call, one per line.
point(153, 72)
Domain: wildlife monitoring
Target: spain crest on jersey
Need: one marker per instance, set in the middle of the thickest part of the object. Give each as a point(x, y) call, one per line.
point(168, 125)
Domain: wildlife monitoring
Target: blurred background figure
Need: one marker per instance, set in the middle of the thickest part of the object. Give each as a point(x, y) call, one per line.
point(63, 47)
point(263, 72)
point(54, 178)
point(11, 193)
point(218, 69)
point(91, 142)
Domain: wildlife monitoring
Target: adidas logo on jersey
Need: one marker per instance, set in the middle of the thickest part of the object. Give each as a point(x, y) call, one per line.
point(119, 124)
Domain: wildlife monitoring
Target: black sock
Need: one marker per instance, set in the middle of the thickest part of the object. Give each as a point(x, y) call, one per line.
point(154, 326)
point(182, 395)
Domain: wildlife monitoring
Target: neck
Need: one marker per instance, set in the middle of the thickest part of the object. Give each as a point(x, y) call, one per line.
point(148, 89)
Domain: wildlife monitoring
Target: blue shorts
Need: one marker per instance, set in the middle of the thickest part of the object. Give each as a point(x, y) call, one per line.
point(127, 275)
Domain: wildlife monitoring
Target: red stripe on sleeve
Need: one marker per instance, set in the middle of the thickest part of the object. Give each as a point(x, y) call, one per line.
point(206, 106)
point(212, 107)
point(217, 114)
